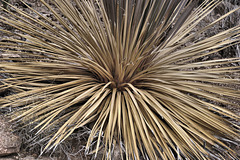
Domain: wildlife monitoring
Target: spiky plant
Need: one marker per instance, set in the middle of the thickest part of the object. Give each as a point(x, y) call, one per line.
point(124, 66)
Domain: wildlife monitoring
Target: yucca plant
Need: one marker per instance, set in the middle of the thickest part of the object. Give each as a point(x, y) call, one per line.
point(123, 66)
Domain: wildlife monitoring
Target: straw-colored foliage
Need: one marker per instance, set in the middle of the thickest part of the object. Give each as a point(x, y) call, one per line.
point(123, 66)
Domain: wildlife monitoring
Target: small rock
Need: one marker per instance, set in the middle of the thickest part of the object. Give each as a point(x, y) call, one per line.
point(28, 158)
point(9, 143)
point(33, 158)
point(7, 158)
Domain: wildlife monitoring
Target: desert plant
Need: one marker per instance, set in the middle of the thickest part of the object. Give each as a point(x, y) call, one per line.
point(131, 69)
